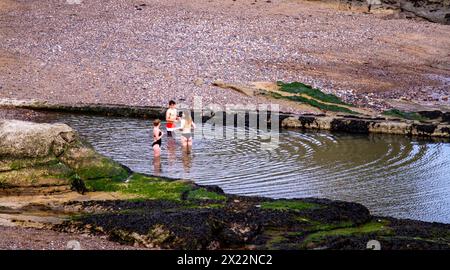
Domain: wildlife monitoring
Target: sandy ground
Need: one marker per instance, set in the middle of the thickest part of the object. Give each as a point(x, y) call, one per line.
point(25, 219)
point(145, 52)
point(16, 238)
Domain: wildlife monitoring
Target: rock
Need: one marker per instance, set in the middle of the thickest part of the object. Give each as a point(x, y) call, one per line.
point(323, 224)
point(88, 164)
point(354, 124)
point(248, 91)
point(445, 98)
point(446, 117)
point(291, 122)
point(431, 10)
point(198, 82)
point(36, 155)
point(20, 139)
point(430, 114)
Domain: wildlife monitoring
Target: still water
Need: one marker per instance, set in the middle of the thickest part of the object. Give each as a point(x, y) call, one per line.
point(391, 175)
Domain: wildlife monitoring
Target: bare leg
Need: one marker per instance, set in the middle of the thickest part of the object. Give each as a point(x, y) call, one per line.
point(157, 150)
point(184, 141)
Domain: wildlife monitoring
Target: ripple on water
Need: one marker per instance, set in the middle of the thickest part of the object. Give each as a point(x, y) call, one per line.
point(391, 175)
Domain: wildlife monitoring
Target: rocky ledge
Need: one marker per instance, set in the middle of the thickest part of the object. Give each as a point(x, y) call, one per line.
point(357, 124)
point(437, 11)
point(49, 157)
point(157, 212)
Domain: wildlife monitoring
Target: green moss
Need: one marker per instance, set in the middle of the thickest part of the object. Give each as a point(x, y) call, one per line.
point(213, 206)
point(149, 187)
point(8, 164)
point(275, 238)
point(141, 177)
point(203, 194)
point(319, 226)
point(104, 184)
point(317, 97)
point(56, 174)
point(284, 205)
point(322, 106)
point(327, 227)
point(105, 168)
point(162, 190)
point(404, 115)
point(368, 228)
point(304, 89)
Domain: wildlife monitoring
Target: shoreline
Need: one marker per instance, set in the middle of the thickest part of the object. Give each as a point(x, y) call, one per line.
point(341, 123)
point(119, 224)
point(64, 185)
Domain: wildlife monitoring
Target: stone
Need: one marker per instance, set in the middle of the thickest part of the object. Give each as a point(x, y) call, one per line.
point(21, 139)
point(36, 155)
point(291, 122)
point(199, 82)
point(248, 91)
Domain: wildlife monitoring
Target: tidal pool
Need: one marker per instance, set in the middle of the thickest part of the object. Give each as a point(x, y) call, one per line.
point(391, 175)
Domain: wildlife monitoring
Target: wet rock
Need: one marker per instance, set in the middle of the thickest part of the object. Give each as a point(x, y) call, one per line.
point(423, 129)
point(430, 114)
point(431, 10)
point(350, 125)
point(446, 117)
point(361, 124)
point(291, 122)
point(35, 155)
point(19, 139)
point(240, 224)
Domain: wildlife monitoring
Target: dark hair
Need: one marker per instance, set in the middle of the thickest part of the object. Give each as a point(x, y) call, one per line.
point(156, 122)
point(172, 102)
point(180, 114)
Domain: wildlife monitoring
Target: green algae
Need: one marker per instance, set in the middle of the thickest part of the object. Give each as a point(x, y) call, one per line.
point(285, 205)
point(317, 98)
point(301, 88)
point(203, 194)
point(404, 115)
point(368, 228)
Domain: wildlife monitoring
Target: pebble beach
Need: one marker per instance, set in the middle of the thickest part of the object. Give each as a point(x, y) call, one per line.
point(149, 51)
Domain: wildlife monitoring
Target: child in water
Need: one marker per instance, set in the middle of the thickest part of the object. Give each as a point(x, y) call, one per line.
point(171, 118)
point(187, 125)
point(157, 135)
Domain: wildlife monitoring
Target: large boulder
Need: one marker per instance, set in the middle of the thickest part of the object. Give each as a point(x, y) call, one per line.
point(19, 139)
point(36, 155)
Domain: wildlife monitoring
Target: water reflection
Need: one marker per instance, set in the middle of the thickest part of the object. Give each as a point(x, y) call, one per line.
point(171, 151)
point(157, 166)
point(187, 159)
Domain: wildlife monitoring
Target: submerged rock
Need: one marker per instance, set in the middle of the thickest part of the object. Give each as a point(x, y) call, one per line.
point(36, 155)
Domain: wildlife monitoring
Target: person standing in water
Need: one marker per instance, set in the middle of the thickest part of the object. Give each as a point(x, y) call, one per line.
point(171, 118)
point(187, 125)
point(157, 135)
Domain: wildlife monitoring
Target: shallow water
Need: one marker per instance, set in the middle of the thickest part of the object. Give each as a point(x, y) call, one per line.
point(391, 175)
